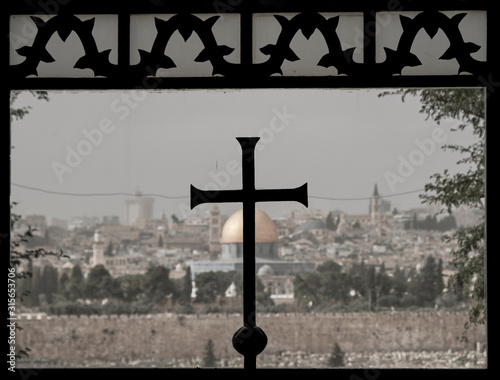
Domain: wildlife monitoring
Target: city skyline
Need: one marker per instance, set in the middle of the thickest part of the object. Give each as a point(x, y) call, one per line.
point(341, 142)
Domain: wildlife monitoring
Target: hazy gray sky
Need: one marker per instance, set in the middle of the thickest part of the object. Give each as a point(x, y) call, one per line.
point(341, 142)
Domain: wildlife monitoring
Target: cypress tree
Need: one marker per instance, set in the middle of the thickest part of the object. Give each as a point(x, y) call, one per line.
point(209, 358)
point(76, 273)
point(50, 281)
point(438, 282)
point(337, 357)
point(426, 287)
point(63, 279)
point(109, 249)
point(187, 288)
point(37, 287)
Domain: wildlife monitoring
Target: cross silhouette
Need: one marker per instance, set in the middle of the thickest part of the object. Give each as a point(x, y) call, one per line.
point(249, 340)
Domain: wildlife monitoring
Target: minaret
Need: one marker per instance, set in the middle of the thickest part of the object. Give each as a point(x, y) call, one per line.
point(98, 249)
point(214, 231)
point(375, 206)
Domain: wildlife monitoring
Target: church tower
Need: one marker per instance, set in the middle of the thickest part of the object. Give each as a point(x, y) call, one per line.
point(98, 249)
point(214, 231)
point(375, 206)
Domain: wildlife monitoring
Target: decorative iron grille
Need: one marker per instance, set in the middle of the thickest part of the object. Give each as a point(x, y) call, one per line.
point(365, 62)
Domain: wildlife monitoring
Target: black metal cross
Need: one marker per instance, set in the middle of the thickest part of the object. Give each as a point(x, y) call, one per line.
point(249, 340)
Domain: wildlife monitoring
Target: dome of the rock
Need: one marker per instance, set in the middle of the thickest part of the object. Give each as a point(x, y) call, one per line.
point(265, 230)
point(266, 236)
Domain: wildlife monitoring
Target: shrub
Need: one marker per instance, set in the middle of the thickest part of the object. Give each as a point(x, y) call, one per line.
point(389, 300)
point(409, 300)
point(337, 357)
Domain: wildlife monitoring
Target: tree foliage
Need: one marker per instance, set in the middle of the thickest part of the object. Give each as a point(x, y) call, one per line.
point(17, 113)
point(332, 221)
point(336, 358)
point(209, 359)
point(213, 284)
point(465, 188)
point(331, 285)
point(158, 287)
point(429, 284)
point(187, 288)
point(99, 284)
point(21, 256)
point(131, 287)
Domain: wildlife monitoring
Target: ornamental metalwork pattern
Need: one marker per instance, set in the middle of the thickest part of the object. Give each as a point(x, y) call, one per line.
point(277, 53)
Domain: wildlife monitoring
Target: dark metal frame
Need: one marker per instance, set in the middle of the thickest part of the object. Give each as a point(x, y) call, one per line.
point(369, 74)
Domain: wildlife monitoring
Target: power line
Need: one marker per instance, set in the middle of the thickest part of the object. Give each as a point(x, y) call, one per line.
point(187, 197)
point(365, 198)
point(95, 194)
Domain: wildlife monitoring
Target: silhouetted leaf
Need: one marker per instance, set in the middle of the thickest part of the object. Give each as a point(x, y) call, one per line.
point(432, 22)
point(452, 51)
point(326, 60)
point(160, 24)
point(82, 63)
point(42, 54)
point(333, 22)
point(207, 53)
point(38, 22)
point(203, 56)
point(224, 50)
point(211, 21)
point(449, 53)
point(348, 54)
point(268, 49)
point(290, 55)
point(186, 31)
point(282, 20)
point(24, 51)
point(471, 47)
point(64, 25)
point(88, 25)
point(307, 30)
point(405, 22)
point(431, 29)
point(458, 18)
point(166, 62)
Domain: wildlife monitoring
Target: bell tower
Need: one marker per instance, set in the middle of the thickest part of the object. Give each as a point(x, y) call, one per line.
point(98, 249)
point(375, 206)
point(214, 231)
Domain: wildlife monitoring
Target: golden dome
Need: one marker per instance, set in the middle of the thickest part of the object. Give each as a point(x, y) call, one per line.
point(265, 230)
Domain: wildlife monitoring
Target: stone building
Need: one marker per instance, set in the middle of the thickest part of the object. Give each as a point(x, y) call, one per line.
point(266, 236)
point(139, 208)
point(276, 274)
point(214, 231)
point(119, 264)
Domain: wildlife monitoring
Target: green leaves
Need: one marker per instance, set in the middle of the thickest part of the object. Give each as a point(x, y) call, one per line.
point(158, 287)
point(210, 285)
point(464, 188)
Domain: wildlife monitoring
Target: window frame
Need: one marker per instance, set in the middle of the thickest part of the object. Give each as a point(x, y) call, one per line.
point(489, 81)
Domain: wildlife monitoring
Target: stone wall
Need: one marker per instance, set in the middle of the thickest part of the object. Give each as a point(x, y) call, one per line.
point(84, 339)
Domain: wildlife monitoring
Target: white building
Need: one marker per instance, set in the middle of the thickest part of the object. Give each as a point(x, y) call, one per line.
point(139, 208)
